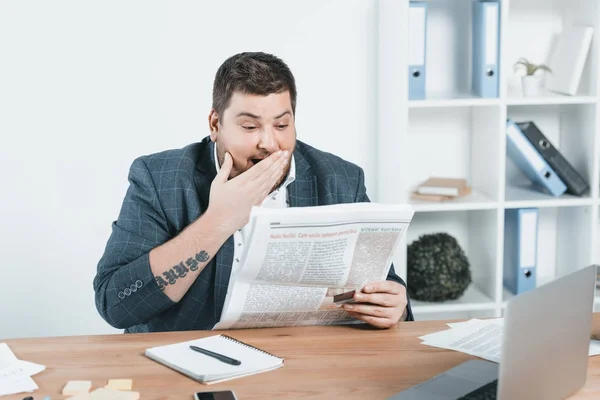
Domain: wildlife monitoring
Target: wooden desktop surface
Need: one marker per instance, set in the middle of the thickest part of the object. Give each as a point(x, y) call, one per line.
point(320, 362)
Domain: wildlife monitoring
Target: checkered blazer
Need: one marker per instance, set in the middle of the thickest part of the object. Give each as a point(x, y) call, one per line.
point(167, 192)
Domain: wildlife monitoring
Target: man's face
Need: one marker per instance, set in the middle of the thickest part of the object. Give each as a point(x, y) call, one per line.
point(252, 128)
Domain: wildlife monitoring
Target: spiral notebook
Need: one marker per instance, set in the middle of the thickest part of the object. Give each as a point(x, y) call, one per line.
point(206, 369)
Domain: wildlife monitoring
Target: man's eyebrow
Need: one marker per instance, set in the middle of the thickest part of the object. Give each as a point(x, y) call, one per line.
point(247, 114)
point(283, 113)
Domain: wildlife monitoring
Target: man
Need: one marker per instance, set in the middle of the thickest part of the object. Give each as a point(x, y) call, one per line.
point(181, 227)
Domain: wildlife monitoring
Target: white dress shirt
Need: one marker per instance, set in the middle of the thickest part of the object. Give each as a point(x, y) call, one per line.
point(278, 198)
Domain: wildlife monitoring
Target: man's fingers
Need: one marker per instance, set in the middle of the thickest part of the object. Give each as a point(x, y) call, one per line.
point(275, 171)
point(225, 170)
point(259, 170)
point(391, 287)
point(265, 188)
point(371, 320)
point(269, 178)
point(372, 310)
point(382, 299)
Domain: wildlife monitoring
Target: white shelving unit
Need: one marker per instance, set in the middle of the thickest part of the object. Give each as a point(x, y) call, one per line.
point(454, 133)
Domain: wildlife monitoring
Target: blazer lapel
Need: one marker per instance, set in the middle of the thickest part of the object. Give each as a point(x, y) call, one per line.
point(205, 173)
point(223, 260)
point(303, 191)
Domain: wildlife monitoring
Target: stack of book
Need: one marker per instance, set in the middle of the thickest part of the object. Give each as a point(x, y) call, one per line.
point(541, 161)
point(441, 189)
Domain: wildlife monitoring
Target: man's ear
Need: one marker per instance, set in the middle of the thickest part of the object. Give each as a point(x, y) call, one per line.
point(213, 124)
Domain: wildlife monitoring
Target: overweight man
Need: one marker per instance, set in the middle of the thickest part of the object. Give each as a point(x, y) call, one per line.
point(181, 227)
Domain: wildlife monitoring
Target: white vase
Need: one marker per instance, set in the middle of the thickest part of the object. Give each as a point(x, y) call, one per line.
point(532, 85)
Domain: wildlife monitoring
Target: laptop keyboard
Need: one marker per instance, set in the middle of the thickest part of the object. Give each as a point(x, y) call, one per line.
point(485, 392)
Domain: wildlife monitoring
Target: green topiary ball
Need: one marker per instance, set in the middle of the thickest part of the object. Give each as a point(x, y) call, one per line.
point(437, 268)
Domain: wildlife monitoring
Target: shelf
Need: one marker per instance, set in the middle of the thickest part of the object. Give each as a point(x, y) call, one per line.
point(443, 143)
point(548, 98)
point(597, 295)
point(522, 197)
point(452, 99)
point(507, 295)
point(475, 201)
point(473, 299)
point(457, 134)
point(532, 30)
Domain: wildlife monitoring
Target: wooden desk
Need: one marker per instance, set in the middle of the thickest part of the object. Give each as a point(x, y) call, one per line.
point(320, 362)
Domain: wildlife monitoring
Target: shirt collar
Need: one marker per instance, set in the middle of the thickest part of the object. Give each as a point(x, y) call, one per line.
point(291, 175)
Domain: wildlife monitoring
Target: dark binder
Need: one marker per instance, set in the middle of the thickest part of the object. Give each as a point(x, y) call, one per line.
point(576, 185)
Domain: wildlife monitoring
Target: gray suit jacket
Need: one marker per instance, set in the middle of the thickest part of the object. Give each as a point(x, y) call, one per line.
point(167, 192)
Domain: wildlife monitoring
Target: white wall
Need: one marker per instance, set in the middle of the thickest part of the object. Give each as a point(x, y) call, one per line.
point(85, 87)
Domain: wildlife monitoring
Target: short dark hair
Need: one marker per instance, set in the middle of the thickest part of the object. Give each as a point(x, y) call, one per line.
point(252, 73)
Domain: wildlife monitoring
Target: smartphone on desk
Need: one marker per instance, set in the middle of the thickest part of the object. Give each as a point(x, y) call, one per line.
point(220, 395)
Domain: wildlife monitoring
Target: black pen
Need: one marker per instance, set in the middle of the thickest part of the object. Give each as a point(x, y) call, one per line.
point(220, 357)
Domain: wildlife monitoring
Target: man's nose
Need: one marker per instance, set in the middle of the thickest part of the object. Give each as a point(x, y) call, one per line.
point(268, 141)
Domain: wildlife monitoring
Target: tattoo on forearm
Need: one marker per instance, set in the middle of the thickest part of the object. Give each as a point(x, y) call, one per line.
point(180, 270)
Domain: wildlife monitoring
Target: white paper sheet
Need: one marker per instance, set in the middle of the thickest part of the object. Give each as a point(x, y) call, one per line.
point(19, 383)
point(24, 367)
point(594, 347)
point(15, 374)
point(480, 338)
point(6, 355)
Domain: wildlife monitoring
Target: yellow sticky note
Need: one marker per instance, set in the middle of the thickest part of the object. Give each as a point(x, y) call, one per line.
point(81, 396)
point(110, 394)
point(76, 387)
point(120, 384)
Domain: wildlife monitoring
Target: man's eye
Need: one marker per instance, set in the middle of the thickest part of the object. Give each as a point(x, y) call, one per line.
point(282, 126)
point(249, 128)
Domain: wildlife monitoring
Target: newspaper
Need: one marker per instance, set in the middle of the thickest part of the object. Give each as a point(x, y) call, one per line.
point(297, 259)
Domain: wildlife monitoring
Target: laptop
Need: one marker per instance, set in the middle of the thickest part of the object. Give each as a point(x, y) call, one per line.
point(545, 347)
